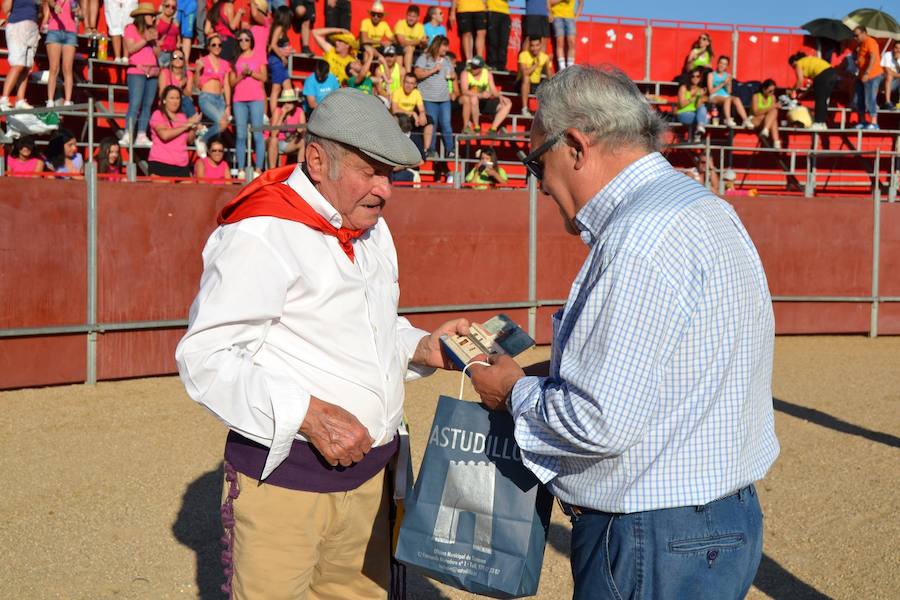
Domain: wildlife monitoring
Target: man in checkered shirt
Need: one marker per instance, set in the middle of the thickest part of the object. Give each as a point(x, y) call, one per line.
point(655, 419)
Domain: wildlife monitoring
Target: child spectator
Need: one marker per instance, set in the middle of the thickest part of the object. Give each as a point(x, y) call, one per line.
point(536, 23)
point(374, 31)
point(565, 15)
point(288, 112)
point(435, 23)
point(22, 161)
point(410, 36)
point(168, 34)
point(487, 173)
point(109, 160)
point(890, 62)
point(336, 44)
point(304, 17)
point(338, 14)
point(319, 84)
point(186, 19)
point(691, 105)
point(533, 62)
point(823, 77)
point(358, 73)
point(223, 20)
point(718, 86)
point(390, 71)
point(214, 75)
point(63, 155)
point(480, 96)
point(765, 112)
point(62, 40)
point(142, 74)
point(118, 16)
point(22, 37)
point(869, 79)
point(279, 52)
point(472, 19)
point(213, 167)
point(249, 102)
point(700, 56)
point(434, 70)
point(498, 25)
point(408, 101)
point(178, 75)
point(171, 131)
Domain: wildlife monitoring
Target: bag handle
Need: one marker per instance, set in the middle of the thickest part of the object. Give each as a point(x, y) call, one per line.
point(462, 378)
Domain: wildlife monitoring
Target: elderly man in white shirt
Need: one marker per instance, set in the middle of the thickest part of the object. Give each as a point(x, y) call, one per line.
point(295, 343)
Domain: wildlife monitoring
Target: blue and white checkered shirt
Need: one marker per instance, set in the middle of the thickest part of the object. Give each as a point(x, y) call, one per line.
point(659, 392)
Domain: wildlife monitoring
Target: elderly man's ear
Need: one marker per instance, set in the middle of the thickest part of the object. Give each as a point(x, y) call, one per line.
point(579, 146)
point(316, 163)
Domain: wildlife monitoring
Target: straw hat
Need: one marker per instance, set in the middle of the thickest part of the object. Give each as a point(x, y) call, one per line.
point(144, 8)
point(347, 38)
point(377, 7)
point(288, 95)
point(262, 5)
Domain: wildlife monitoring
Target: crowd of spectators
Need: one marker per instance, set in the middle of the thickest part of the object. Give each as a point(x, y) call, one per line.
point(204, 77)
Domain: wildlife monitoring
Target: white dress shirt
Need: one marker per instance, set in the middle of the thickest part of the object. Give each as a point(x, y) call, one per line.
point(283, 314)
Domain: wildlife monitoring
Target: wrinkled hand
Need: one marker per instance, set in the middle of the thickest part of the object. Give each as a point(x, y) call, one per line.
point(428, 352)
point(338, 436)
point(494, 383)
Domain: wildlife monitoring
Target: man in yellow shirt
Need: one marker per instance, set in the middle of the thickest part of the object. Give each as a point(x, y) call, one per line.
point(472, 17)
point(337, 44)
point(533, 62)
point(374, 31)
point(565, 15)
point(410, 35)
point(498, 24)
point(408, 101)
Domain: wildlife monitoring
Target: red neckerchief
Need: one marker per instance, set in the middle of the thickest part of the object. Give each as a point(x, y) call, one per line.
point(266, 196)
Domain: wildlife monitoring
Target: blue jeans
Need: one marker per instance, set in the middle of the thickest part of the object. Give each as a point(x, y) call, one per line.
point(213, 107)
point(141, 95)
point(697, 552)
point(865, 97)
point(692, 119)
point(440, 114)
point(253, 111)
point(187, 106)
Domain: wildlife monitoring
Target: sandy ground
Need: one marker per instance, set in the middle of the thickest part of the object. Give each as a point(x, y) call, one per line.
point(112, 491)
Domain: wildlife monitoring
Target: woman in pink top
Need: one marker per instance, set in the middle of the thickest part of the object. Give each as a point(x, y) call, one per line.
point(178, 75)
point(169, 33)
point(142, 76)
point(249, 100)
point(213, 73)
point(223, 20)
point(171, 132)
point(213, 166)
point(22, 161)
point(290, 142)
point(62, 40)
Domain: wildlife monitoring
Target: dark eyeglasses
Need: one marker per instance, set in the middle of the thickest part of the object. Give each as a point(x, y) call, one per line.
point(172, 6)
point(215, 45)
point(177, 57)
point(244, 40)
point(217, 150)
point(531, 162)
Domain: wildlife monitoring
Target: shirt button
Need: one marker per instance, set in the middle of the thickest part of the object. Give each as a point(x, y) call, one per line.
point(712, 555)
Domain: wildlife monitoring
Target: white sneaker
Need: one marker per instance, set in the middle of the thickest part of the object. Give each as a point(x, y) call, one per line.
point(819, 126)
point(4, 103)
point(241, 175)
point(526, 112)
point(764, 132)
point(748, 123)
point(201, 147)
point(125, 140)
point(730, 123)
point(50, 104)
point(142, 141)
point(701, 129)
point(23, 104)
point(777, 144)
point(68, 103)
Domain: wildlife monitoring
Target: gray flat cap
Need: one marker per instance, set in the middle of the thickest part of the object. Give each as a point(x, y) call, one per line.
point(362, 121)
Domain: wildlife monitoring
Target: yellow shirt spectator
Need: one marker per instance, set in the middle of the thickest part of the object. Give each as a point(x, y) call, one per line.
point(414, 33)
point(409, 103)
point(812, 66)
point(338, 64)
point(564, 9)
point(498, 6)
point(377, 33)
point(527, 60)
point(464, 6)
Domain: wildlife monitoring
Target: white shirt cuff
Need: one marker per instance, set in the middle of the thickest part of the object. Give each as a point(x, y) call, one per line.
point(289, 406)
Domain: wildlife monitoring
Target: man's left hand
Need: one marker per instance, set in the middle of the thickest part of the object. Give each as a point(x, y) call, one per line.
point(429, 353)
point(495, 383)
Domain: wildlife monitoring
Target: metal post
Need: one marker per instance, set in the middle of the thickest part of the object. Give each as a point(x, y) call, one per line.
point(647, 53)
point(876, 247)
point(810, 190)
point(90, 176)
point(532, 255)
point(734, 52)
point(457, 176)
point(90, 152)
point(248, 171)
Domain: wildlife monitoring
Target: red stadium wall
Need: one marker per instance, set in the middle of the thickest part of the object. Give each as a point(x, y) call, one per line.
point(455, 247)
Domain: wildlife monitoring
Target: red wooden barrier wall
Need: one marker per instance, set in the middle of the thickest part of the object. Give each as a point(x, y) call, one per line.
point(455, 247)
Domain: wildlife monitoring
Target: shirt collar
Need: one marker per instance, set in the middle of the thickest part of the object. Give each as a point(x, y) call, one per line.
point(300, 183)
point(593, 216)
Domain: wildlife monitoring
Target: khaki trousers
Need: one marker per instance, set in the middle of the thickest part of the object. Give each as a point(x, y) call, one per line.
point(305, 545)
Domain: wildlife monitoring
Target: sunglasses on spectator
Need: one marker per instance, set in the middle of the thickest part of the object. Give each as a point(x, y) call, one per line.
point(217, 150)
point(177, 57)
point(242, 40)
point(531, 162)
point(172, 6)
point(217, 45)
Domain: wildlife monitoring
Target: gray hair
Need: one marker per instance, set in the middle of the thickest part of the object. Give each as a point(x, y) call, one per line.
point(601, 101)
point(334, 150)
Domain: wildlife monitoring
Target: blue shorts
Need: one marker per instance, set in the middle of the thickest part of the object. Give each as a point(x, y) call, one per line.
point(186, 22)
point(277, 70)
point(58, 36)
point(563, 27)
